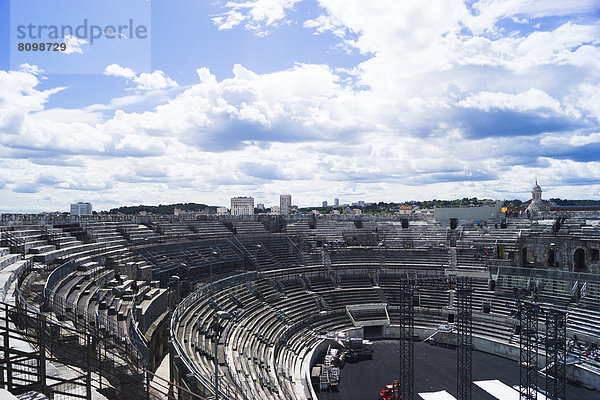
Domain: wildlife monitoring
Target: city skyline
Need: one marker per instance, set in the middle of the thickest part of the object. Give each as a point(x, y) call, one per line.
point(385, 101)
point(342, 204)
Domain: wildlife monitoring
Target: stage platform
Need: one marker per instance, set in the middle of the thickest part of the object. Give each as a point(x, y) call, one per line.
point(435, 375)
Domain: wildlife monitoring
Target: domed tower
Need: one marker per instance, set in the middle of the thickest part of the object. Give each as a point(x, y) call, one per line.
point(536, 192)
point(536, 205)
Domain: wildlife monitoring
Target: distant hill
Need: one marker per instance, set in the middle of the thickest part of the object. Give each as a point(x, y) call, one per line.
point(161, 209)
point(565, 202)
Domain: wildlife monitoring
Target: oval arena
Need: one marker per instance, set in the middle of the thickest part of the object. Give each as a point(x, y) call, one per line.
point(252, 307)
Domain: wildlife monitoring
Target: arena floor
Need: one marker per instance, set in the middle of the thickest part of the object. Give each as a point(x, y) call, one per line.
point(435, 371)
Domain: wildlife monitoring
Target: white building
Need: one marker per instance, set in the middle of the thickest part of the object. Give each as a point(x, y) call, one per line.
point(405, 210)
point(81, 208)
point(275, 210)
point(336, 202)
point(285, 204)
point(242, 206)
point(222, 210)
point(479, 213)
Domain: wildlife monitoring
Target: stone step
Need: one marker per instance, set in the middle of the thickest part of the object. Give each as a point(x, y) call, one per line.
point(143, 290)
point(41, 249)
point(107, 233)
point(150, 295)
point(102, 239)
point(34, 243)
point(66, 239)
point(8, 275)
point(88, 266)
point(71, 243)
point(8, 259)
point(32, 232)
point(29, 238)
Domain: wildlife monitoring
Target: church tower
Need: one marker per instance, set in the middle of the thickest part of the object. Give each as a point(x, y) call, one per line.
point(537, 205)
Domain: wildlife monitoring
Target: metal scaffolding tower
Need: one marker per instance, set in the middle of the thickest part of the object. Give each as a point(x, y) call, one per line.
point(464, 328)
point(464, 290)
point(528, 350)
point(407, 327)
point(556, 355)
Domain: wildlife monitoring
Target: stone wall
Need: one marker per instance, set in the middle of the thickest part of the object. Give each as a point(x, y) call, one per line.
point(573, 254)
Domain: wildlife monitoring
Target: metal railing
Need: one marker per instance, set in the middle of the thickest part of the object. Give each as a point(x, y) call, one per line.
point(99, 325)
point(57, 275)
point(137, 338)
point(544, 274)
point(243, 250)
point(296, 249)
point(181, 310)
point(76, 350)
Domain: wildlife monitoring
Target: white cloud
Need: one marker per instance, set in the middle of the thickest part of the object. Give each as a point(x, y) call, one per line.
point(31, 69)
point(576, 140)
point(257, 14)
point(155, 80)
point(585, 98)
point(228, 20)
point(18, 97)
point(389, 128)
point(74, 45)
point(488, 12)
point(532, 99)
point(117, 70)
point(68, 116)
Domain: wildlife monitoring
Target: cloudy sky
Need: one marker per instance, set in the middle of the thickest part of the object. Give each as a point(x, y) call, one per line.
point(362, 100)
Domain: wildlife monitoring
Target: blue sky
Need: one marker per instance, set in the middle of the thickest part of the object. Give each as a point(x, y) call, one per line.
point(378, 100)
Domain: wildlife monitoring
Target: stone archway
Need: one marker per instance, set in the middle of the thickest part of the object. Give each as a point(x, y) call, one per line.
point(579, 261)
point(551, 258)
point(527, 256)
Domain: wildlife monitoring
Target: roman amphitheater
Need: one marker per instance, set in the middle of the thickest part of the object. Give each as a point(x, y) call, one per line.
point(262, 307)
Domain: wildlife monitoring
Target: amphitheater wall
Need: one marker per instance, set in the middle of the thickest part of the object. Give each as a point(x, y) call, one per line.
point(181, 376)
point(584, 376)
point(315, 354)
point(355, 332)
point(393, 332)
point(157, 337)
point(575, 372)
point(539, 253)
point(144, 273)
point(153, 311)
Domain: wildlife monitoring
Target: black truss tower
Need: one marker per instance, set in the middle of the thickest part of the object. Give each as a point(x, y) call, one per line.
point(407, 328)
point(464, 328)
point(556, 355)
point(528, 350)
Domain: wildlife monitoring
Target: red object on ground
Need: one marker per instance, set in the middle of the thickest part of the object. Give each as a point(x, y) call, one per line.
point(391, 392)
